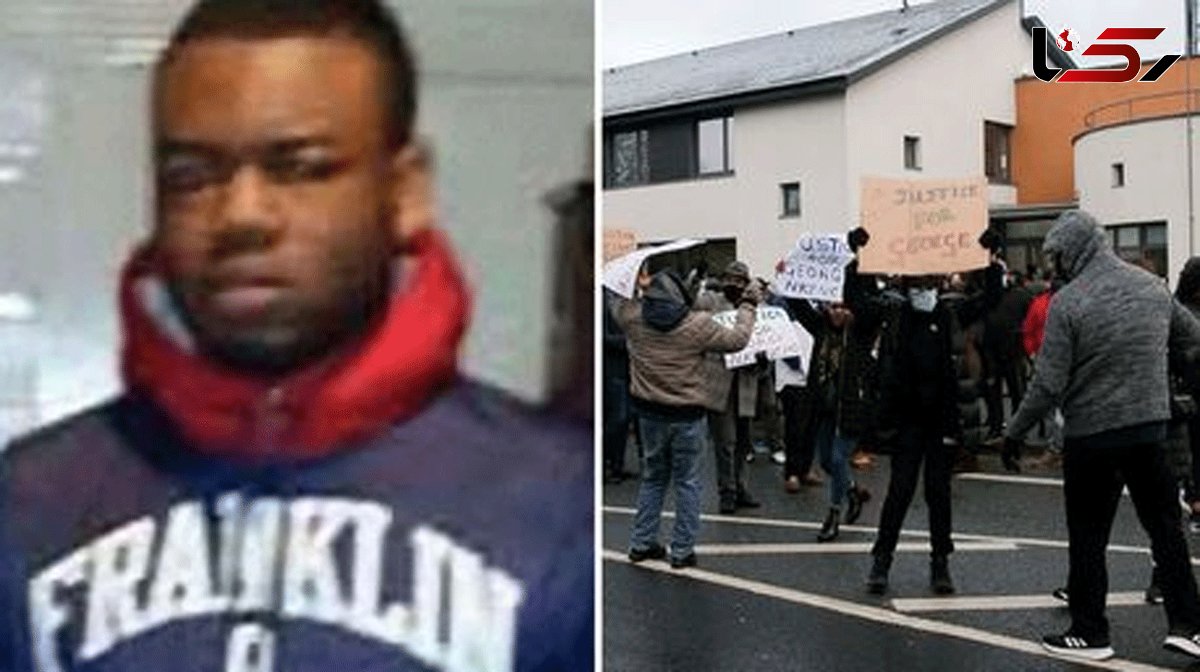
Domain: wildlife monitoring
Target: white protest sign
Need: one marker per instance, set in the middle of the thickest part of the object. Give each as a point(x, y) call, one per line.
point(773, 334)
point(815, 268)
point(620, 274)
point(787, 376)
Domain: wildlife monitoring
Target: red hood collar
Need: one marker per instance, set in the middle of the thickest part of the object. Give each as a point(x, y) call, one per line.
point(388, 377)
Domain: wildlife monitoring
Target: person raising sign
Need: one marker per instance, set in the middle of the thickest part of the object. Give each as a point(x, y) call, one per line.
point(917, 406)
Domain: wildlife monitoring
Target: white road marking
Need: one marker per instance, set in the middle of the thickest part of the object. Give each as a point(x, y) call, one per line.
point(958, 536)
point(1004, 602)
point(878, 614)
point(1007, 478)
point(839, 547)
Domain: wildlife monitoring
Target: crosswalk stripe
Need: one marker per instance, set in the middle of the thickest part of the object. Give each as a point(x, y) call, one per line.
point(1003, 602)
point(875, 614)
point(841, 547)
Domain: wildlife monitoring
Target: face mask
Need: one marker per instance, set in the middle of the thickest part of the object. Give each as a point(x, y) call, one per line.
point(733, 292)
point(923, 300)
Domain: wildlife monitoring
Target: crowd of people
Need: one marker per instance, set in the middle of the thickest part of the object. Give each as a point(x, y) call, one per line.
point(1093, 354)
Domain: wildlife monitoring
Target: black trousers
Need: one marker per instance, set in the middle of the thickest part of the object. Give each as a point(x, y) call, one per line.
point(731, 444)
point(916, 446)
point(616, 422)
point(1092, 481)
point(1003, 371)
point(797, 430)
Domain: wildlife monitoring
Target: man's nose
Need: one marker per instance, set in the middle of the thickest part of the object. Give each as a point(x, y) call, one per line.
point(249, 216)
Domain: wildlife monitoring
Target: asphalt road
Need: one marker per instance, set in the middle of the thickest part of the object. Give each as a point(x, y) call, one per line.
point(766, 597)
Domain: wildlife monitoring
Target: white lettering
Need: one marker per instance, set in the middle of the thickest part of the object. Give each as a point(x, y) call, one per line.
point(183, 585)
point(371, 525)
point(254, 588)
point(120, 560)
point(311, 586)
point(431, 553)
point(47, 613)
point(251, 649)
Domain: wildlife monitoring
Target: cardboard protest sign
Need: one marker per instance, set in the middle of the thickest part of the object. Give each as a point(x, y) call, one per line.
point(923, 227)
point(620, 275)
point(773, 334)
point(618, 243)
point(815, 268)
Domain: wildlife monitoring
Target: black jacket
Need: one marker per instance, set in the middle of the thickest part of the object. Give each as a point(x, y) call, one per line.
point(918, 382)
point(848, 384)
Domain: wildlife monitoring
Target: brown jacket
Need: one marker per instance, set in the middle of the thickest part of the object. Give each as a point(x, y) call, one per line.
point(670, 368)
point(749, 379)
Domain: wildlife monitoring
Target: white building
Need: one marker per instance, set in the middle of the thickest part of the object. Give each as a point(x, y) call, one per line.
point(1133, 175)
point(753, 143)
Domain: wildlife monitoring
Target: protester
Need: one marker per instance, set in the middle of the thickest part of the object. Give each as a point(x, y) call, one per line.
point(616, 393)
point(797, 404)
point(1003, 354)
point(1104, 362)
point(730, 425)
point(295, 476)
point(842, 342)
point(1187, 292)
point(918, 406)
point(671, 391)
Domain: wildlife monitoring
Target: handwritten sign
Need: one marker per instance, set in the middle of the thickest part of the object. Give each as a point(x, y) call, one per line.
point(618, 243)
point(773, 334)
point(620, 275)
point(815, 268)
point(923, 227)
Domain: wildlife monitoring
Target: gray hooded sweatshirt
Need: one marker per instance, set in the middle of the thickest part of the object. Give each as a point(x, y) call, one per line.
point(1108, 333)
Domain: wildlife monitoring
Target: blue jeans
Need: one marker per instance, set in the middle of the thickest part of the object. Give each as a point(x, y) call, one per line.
point(672, 450)
point(833, 449)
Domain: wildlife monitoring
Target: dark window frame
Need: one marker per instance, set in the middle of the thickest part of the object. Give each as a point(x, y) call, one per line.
point(997, 152)
point(784, 212)
point(1118, 175)
point(654, 160)
point(912, 152)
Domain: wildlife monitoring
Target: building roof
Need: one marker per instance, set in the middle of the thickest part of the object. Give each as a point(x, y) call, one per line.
point(795, 62)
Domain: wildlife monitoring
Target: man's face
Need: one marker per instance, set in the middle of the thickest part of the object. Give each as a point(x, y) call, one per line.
point(275, 192)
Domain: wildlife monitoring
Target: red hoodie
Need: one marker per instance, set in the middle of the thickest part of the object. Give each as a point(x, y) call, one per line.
point(385, 378)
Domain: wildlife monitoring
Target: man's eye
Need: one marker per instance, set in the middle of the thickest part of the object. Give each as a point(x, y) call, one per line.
point(295, 168)
point(187, 174)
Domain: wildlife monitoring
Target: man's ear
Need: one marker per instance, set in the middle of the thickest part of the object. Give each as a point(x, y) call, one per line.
point(414, 201)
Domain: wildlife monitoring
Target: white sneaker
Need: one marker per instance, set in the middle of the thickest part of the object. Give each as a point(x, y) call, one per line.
point(1071, 646)
point(779, 457)
point(1183, 643)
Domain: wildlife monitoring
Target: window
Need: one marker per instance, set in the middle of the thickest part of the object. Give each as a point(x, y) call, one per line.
point(997, 152)
point(677, 149)
point(912, 152)
point(1144, 245)
point(629, 158)
point(1118, 175)
point(790, 193)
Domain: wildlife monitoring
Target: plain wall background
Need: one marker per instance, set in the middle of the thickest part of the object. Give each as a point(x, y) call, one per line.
point(506, 101)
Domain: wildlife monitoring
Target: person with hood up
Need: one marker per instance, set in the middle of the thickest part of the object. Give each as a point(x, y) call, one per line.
point(1104, 363)
point(295, 475)
point(671, 390)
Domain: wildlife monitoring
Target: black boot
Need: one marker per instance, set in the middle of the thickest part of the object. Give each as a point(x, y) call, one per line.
point(877, 580)
point(829, 529)
point(939, 575)
point(857, 497)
